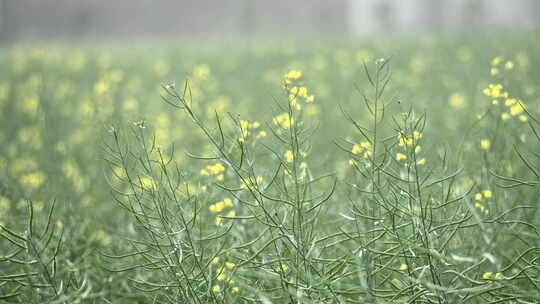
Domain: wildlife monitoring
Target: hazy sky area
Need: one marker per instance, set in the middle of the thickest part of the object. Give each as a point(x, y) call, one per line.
point(120, 19)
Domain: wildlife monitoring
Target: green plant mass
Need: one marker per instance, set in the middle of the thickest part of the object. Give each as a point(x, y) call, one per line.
point(381, 171)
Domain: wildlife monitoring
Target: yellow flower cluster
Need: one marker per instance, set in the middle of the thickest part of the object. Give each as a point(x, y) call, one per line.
point(251, 183)
point(216, 170)
point(478, 197)
point(497, 63)
point(364, 149)
point(292, 75)
point(219, 207)
point(289, 157)
point(490, 276)
point(410, 141)
point(246, 128)
point(515, 106)
point(283, 120)
point(223, 275)
point(302, 92)
point(495, 91)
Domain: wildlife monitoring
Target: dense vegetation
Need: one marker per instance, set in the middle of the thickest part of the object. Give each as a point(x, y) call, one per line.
point(384, 171)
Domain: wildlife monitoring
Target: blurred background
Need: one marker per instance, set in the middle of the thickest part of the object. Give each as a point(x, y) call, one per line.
point(103, 19)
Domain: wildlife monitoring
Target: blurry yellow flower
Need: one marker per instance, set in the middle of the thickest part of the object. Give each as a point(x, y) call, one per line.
point(293, 74)
point(101, 87)
point(403, 267)
point(32, 180)
point(235, 289)
point(261, 134)
point(201, 72)
point(30, 105)
point(400, 156)
point(457, 101)
point(221, 277)
point(485, 144)
point(148, 183)
point(230, 265)
point(219, 221)
point(509, 65)
point(487, 275)
point(422, 161)
point(215, 260)
point(487, 193)
point(496, 61)
point(216, 288)
point(289, 156)
point(516, 109)
point(283, 120)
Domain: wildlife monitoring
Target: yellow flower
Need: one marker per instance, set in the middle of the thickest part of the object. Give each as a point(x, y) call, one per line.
point(478, 196)
point(356, 149)
point(302, 92)
point(101, 87)
point(422, 161)
point(231, 213)
point(509, 65)
point(516, 109)
point(494, 71)
point(261, 134)
point(289, 156)
point(457, 101)
point(403, 267)
point(352, 162)
point(523, 118)
point(235, 289)
point(505, 116)
point(487, 275)
point(418, 149)
point(215, 260)
point(485, 144)
point(400, 156)
point(487, 193)
point(496, 61)
point(283, 120)
point(32, 180)
point(230, 265)
point(216, 288)
point(228, 202)
point(219, 221)
point(221, 277)
point(293, 74)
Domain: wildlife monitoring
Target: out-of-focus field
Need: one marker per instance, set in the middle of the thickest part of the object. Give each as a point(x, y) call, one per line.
point(66, 110)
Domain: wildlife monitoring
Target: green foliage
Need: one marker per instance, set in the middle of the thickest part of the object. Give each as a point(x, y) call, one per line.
point(316, 175)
